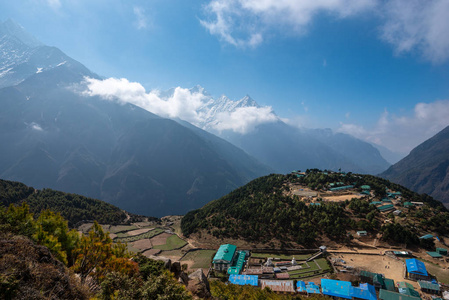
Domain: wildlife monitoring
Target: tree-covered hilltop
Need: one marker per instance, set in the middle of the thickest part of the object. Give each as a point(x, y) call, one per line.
point(73, 207)
point(265, 210)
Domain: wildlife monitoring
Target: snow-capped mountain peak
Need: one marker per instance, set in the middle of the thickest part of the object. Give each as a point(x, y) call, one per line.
point(11, 28)
point(22, 55)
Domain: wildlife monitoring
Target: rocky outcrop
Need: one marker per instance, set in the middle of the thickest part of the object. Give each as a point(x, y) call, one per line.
point(199, 285)
point(30, 271)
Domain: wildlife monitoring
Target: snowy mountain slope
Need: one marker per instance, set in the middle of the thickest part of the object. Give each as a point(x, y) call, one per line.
point(22, 55)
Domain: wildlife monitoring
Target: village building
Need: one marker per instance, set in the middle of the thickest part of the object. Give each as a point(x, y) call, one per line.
point(237, 265)
point(406, 288)
point(309, 288)
point(336, 288)
point(402, 253)
point(389, 295)
point(279, 286)
point(416, 270)
point(434, 254)
point(244, 279)
point(426, 237)
point(364, 291)
point(224, 257)
point(441, 251)
point(429, 287)
point(362, 233)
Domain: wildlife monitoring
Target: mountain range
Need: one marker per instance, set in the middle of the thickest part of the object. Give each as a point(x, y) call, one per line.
point(284, 147)
point(54, 135)
point(426, 168)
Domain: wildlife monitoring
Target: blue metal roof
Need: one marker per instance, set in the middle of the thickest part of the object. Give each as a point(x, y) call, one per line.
point(312, 288)
point(426, 237)
point(364, 291)
point(244, 279)
point(416, 267)
point(301, 286)
point(336, 288)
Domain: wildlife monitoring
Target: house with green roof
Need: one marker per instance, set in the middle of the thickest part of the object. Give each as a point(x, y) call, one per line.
point(407, 204)
point(224, 257)
point(389, 295)
point(385, 208)
point(441, 251)
point(429, 287)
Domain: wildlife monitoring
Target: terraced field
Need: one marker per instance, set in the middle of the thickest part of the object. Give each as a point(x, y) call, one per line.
point(318, 266)
point(199, 259)
point(146, 235)
point(281, 256)
point(171, 243)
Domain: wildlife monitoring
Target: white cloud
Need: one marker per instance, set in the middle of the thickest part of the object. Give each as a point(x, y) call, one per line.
point(418, 25)
point(403, 133)
point(183, 104)
point(55, 4)
point(245, 119)
point(243, 22)
point(409, 25)
point(141, 19)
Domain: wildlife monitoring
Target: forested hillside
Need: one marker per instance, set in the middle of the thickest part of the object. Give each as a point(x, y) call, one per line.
point(74, 208)
point(265, 211)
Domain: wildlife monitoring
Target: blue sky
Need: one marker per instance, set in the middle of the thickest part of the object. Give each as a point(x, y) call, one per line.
point(376, 69)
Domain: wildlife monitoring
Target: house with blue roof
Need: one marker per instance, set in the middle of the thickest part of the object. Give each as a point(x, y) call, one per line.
point(364, 291)
point(416, 270)
point(244, 279)
point(336, 288)
point(301, 286)
point(224, 257)
point(312, 288)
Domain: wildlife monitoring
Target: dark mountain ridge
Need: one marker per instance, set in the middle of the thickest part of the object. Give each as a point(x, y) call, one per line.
point(426, 168)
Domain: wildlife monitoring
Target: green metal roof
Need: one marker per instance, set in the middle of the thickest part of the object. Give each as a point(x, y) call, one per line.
point(365, 187)
point(225, 252)
point(367, 274)
point(386, 207)
point(378, 279)
point(434, 254)
point(403, 285)
point(407, 204)
point(239, 264)
point(428, 285)
point(342, 188)
point(389, 284)
point(442, 251)
point(388, 295)
point(409, 292)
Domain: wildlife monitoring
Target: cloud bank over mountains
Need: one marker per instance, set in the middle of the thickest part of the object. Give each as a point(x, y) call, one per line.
point(409, 25)
point(403, 133)
point(399, 133)
point(185, 104)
